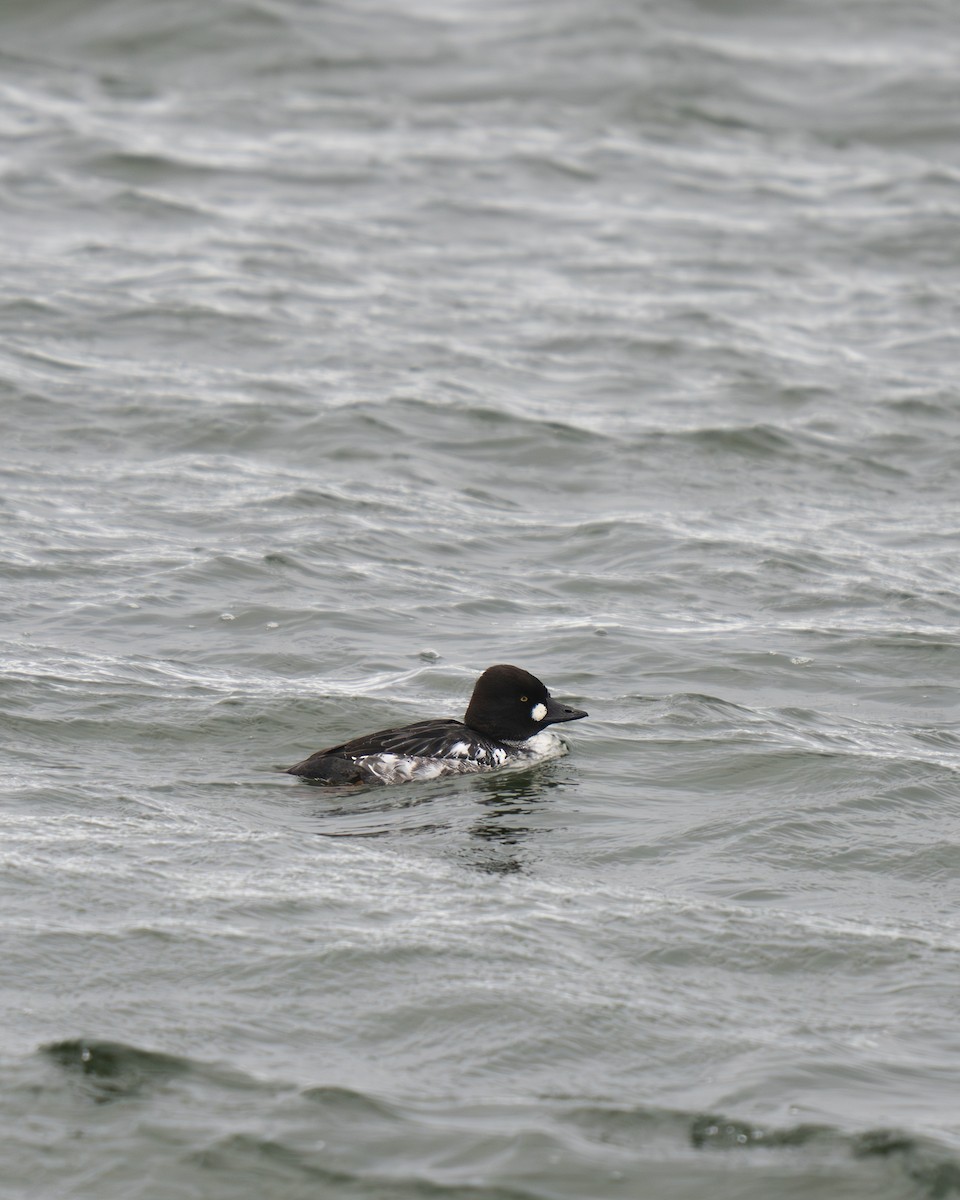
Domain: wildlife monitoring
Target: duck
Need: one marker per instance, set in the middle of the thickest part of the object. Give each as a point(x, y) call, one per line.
point(507, 723)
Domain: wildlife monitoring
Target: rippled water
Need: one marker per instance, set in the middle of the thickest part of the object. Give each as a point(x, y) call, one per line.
point(346, 349)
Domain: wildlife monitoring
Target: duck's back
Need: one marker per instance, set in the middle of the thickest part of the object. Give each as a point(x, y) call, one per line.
point(424, 750)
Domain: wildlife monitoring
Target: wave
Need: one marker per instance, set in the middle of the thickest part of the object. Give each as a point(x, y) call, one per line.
point(346, 1141)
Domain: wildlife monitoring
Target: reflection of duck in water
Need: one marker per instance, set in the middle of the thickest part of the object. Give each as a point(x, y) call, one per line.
point(505, 724)
point(510, 814)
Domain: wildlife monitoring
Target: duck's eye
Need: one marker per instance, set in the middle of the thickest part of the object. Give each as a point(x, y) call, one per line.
point(524, 699)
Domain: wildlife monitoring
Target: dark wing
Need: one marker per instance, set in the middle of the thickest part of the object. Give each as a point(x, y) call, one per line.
point(424, 739)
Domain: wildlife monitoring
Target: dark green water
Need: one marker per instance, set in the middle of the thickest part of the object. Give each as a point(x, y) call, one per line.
point(348, 349)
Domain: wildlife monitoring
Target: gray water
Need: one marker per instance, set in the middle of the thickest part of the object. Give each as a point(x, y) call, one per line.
point(346, 349)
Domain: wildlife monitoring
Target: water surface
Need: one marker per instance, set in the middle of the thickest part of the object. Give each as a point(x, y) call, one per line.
point(348, 349)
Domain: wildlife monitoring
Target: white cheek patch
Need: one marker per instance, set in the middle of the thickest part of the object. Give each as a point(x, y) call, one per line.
point(538, 712)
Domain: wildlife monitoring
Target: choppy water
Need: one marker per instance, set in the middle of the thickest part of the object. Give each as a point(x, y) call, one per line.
point(346, 349)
